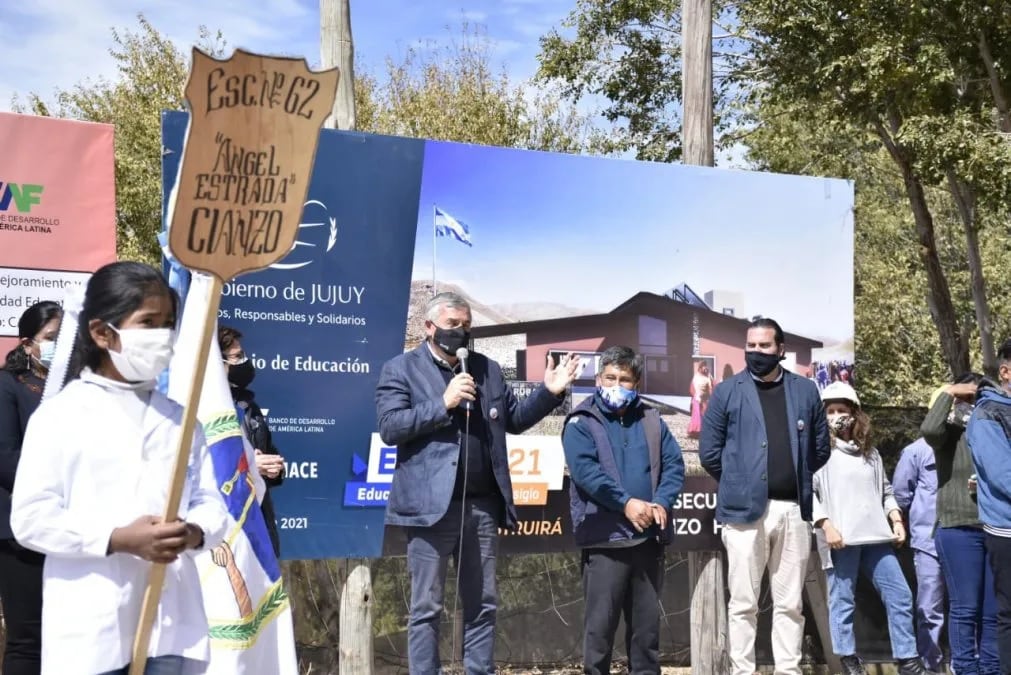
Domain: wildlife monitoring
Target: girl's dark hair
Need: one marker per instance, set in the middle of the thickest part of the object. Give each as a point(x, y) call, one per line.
point(227, 337)
point(114, 293)
point(966, 378)
point(31, 322)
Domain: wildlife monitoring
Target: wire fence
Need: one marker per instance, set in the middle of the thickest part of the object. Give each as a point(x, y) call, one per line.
point(539, 627)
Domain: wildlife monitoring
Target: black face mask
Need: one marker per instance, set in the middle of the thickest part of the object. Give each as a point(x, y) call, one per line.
point(761, 364)
point(451, 339)
point(240, 375)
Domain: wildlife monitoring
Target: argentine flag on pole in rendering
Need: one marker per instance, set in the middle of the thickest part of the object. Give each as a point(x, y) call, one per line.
point(448, 226)
point(251, 629)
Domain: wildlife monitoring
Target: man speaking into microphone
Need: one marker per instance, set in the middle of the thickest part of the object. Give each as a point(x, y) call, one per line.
point(448, 412)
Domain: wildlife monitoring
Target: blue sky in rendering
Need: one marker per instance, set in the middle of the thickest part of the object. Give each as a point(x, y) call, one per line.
point(589, 233)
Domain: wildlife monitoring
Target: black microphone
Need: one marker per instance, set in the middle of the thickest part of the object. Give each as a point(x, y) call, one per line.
point(462, 355)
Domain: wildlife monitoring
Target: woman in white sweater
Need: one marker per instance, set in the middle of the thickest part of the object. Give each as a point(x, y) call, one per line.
point(858, 525)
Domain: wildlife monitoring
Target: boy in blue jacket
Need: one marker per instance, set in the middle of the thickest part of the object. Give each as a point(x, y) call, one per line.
point(625, 470)
point(989, 435)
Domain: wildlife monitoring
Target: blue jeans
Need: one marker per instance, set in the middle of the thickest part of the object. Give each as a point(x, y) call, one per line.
point(159, 665)
point(428, 552)
point(877, 561)
point(929, 609)
point(972, 606)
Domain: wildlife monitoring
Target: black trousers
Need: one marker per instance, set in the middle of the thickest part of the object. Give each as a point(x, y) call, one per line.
point(999, 550)
point(620, 581)
point(21, 595)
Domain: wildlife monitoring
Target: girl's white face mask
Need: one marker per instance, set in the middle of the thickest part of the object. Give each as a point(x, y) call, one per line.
point(143, 352)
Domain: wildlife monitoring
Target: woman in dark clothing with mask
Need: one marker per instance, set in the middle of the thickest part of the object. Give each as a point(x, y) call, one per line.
point(269, 462)
point(22, 380)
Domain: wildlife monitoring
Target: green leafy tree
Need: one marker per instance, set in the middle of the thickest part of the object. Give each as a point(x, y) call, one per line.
point(627, 54)
point(452, 92)
point(915, 75)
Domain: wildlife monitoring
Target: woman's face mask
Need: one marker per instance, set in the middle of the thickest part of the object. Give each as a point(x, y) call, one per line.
point(839, 422)
point(241, 374)
point(47, 349)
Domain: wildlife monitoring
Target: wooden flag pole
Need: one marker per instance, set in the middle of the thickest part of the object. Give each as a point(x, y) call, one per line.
point(255, 122)
point(156, 580)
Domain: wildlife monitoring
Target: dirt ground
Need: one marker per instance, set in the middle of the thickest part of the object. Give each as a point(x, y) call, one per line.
point(808, 670)
point(872, 669)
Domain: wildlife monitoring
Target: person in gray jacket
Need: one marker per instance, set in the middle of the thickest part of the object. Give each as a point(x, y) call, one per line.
point(451, 489)
point(859, 524)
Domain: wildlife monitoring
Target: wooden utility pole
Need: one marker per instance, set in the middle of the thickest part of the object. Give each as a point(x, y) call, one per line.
point(709, 605)
point(697, 81)
point(705, 568)
point(337, 49)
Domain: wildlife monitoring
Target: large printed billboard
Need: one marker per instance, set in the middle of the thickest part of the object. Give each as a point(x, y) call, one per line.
point(555, 253)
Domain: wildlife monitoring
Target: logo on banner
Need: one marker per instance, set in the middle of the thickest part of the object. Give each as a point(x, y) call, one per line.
point(377, 473)
point(536, 466)
point(317, 225)
point(24, 196)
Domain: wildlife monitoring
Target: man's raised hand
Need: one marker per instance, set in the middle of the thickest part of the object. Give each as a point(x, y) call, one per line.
point(558, 376)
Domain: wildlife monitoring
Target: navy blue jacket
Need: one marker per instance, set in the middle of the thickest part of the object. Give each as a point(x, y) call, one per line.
point(413, 417)
point(598, 497)
point(733, 447)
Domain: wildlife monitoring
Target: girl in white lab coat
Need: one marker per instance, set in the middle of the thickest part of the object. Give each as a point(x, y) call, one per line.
point(93, 482)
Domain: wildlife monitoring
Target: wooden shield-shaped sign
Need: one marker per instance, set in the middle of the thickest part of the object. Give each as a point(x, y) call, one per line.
point(250, 147)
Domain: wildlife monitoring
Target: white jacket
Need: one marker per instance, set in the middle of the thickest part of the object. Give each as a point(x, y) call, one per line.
point(95, 457)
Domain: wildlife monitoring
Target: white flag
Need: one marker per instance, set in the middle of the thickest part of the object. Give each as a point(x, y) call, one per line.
point(247, 606)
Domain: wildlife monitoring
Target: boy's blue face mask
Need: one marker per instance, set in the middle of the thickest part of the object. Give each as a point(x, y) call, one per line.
point(616, 396)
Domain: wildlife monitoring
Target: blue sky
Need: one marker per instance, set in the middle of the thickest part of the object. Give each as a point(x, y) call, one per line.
point(589, 233)
point(58, 43)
